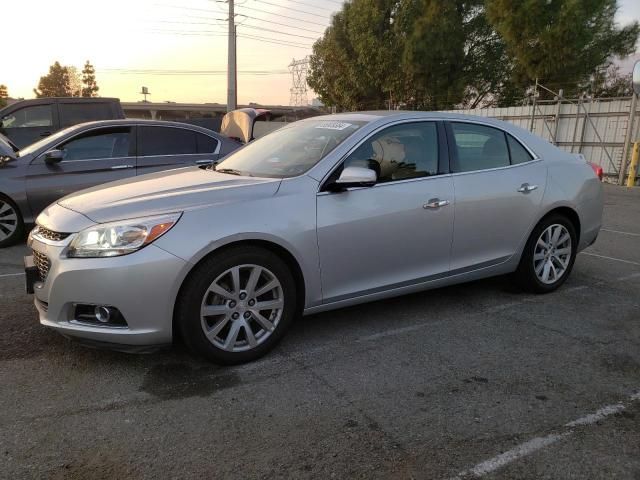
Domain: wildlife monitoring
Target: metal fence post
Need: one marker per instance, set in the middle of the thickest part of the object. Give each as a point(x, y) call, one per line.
point(533, 109)
point(633, 168)
point(557, 117)
point(627, 139)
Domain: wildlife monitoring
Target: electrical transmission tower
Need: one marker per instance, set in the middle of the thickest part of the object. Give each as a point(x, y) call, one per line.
point(298, 69)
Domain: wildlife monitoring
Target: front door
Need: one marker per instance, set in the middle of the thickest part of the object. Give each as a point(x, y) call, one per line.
point(396, 233)
point(90, 158)
point(29, 124)
point(499, 188)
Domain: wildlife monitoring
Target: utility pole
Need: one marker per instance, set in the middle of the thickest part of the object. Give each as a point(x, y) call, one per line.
point(232, 78)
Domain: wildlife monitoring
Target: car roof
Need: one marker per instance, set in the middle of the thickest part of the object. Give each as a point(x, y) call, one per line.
point(132, 121)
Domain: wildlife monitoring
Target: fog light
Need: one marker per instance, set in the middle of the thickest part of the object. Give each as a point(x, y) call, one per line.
point(103, 314)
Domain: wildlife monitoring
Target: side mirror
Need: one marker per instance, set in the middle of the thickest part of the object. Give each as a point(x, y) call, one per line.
point(355, 177)
point(53, 156)
point(636, 78)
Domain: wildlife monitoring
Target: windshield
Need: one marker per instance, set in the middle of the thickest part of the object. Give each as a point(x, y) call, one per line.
point(290, 151)
point(46, 140)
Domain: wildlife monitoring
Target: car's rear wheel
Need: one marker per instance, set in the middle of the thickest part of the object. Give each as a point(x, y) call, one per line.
point(11, 224)
point(549, 255)
point(237, 305)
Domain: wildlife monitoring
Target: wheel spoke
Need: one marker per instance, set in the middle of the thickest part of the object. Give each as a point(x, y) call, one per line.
point(235, 280)
point(564, 238)
point(538, 257)
point(267, 288)
point(269, 304)
point(232, 336)
point(213, 333)
point(251, 338)
point(556, 235)
point(546, 271)
point(542, 243)
point(210, 310)
point(264, 323)
point(563, 251)
point(253, 281)
point(218, 290)
point(553, 270)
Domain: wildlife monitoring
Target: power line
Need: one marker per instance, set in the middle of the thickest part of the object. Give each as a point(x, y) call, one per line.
point(284, 16)
point(291, 9)
point(210, 33)
point(281, 24)
point(276, 31)
point(307, 5)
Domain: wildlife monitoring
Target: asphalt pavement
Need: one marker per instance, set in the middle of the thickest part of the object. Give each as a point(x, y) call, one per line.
point(474, 381)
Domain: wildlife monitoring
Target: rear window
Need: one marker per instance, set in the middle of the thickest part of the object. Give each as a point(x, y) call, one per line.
point(166, 141)
point(205, 143)
point(74, 113)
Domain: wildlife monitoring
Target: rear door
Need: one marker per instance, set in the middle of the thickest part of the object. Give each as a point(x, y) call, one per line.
point(499, 187)
point(90, 158)
point(29, 124)
point(164, 148)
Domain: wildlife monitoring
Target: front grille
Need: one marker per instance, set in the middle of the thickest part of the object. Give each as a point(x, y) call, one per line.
point(42, 263)
point(50, 234)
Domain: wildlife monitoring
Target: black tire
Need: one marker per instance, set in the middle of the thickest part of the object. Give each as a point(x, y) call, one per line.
point(525, 274)
point(18, 233)
point(188, 311)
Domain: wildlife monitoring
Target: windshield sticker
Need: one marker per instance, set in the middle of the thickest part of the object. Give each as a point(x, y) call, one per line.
point(334, 125)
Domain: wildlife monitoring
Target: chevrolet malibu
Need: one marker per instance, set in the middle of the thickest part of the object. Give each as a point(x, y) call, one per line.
point(321, 214)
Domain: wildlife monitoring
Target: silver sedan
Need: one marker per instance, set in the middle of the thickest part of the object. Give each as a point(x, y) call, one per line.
point(323, 213)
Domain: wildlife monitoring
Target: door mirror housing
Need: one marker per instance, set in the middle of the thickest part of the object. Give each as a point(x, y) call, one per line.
point(53, 156)
point(354, 177)
point(636, 78)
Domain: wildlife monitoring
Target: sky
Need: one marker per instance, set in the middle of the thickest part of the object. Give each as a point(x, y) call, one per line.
point(176, 48)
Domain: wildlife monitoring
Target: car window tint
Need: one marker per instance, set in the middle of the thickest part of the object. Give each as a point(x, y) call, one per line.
point(166, 141)
point(109, 143)
point(479, 147)
point(205, 143)
point(518, 153)
point(403, 151)
point(74, 113)
point(36, 116)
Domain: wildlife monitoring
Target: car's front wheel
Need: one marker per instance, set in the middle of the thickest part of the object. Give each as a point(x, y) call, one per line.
point(11, 224)
point(549, 255)
point(237, 305)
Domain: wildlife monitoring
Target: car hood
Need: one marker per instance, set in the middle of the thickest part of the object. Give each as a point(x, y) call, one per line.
point(165, 192)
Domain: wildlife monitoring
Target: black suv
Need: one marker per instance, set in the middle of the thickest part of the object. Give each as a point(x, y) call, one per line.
point(27, 121)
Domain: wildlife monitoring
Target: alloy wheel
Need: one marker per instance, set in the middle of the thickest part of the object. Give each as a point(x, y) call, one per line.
point(8, 220)
point(242, 308)
point(552, 254)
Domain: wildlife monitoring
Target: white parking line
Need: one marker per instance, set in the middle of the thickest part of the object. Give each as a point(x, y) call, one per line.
point(620, 232)
point(527, 448)
point(610, 258)
point(628, 277)
point(6, 275)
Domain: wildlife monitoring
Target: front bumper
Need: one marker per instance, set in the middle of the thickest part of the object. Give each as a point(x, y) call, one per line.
point(142, 286)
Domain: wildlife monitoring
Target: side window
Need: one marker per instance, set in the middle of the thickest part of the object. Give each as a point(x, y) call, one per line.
point(74, 113)
point(403, 151)
point(518, 152)
point(103, 143)
point(205, 143)
point(166, 141)
point(479, 147)
point(36, 116)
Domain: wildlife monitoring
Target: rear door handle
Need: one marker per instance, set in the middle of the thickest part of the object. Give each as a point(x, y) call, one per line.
point(202, 162)
point(435, 203)
point(45, 134)
point(526, 188)
point(121, 167)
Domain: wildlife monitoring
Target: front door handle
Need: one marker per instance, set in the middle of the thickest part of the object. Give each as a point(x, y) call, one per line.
point(435, 203)
point(526, 188)
point(45, 134)
point(121, 167)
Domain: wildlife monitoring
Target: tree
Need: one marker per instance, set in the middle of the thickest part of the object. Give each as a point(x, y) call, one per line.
point(610, 82)
point(560, 42)
point(4, 94)
point(90, 88)
point(55, 84)
point(75, 81)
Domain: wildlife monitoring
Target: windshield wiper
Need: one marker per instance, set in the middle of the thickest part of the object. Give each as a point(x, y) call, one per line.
point(230, 171)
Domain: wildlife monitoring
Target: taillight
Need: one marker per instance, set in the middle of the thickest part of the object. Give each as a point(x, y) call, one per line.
point(597, 169)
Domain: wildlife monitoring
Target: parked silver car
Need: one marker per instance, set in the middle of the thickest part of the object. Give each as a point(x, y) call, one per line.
point(90, 154)
point(323, 213)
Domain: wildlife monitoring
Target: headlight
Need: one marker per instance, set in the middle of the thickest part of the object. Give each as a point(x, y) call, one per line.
point(120, 238)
